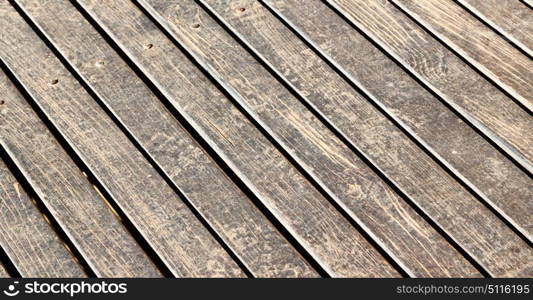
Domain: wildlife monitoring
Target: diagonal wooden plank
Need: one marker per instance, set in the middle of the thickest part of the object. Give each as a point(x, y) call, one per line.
point(470, 95)
point(307, 215)
point(513, 19)
point(477, 43)
point(103, 242)
point(471, 158)
point(330, 162)
point(166, 223)
point(27, 238)
point(416, 174)
point(241, 225)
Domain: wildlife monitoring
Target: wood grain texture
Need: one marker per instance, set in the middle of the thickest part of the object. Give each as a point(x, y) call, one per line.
point(467, 92)
point(477, 43)
point(439, 195)
point(27, 238)
point(477, 163)
point(165, 222)
point(351, 183)
point(85, 218)
point(241, 225)
point(310, 218)
point(511, 18)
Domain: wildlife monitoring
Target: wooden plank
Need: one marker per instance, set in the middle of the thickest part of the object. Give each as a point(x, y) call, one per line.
point(477, 163)
point(330, 162)
point(103, 241)
point(305, 213)
point(166, 223)
point(512, 18)
point(27, 238)
point(477, 43)
point(470, 95)
point(239, 223)
point(415, 173)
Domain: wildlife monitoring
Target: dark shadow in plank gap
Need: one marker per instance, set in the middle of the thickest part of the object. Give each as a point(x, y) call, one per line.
point(526, 4)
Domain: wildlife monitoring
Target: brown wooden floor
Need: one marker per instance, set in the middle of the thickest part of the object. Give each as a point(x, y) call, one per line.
point(274, 138)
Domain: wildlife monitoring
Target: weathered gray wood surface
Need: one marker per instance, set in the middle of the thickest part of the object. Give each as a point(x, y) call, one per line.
point(99, 236)
point(241, 225)
point(309, 217)
point(165, 222)
point(354, 185)
point(495, 178)
point(263, 132)
point(511, 18)
point(476, 99)
point(29, 241)
point(477, 43)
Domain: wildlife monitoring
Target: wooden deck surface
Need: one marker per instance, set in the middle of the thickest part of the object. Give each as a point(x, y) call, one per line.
point(272, 138)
